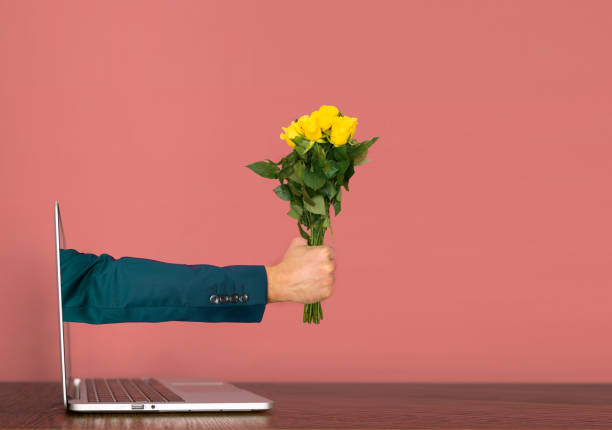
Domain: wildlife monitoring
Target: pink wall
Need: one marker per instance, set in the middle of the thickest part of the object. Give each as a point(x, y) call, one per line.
point(477, 244)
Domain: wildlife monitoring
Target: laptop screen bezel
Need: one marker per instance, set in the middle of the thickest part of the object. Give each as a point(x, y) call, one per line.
point(63, 331)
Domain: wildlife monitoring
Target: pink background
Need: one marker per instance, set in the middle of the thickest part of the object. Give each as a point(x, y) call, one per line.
point(475, 246)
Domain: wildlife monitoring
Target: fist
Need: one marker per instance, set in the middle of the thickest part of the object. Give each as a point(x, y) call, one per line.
point(305, 275)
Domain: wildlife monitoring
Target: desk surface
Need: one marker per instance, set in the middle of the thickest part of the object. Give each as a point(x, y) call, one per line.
point(335, 405)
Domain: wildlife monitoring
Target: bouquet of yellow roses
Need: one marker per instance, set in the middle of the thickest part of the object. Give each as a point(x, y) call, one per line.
point(311, 176)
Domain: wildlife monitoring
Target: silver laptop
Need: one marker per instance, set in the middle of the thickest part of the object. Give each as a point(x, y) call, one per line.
point(142, 394)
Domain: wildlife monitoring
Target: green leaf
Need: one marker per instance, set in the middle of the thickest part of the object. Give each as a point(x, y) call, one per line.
point(347, 175)
point(359, 152)
point(318, 207)
point(329, 190)
point(293, 214)
point(296, 207)
point(302, 232)
point(340, 153)
point(283, 192)
point(302, 151)
point(288, 159)
point(293, 186)
point(272, 162)
point(307, 196)
point(330, 169)
point(302, 145)
point(265, 169)
point(298, 172)
point(301, 140)
point(314, 179)
point(359, 163)
point(339, 194)
point(287, 165)
point(318, 155)
point(337, 207)
point(350, 171)
point(342, 166)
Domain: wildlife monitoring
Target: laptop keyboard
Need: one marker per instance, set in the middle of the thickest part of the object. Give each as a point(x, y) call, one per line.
point(129, 390)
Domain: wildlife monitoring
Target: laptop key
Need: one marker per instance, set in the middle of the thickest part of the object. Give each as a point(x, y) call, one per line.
point(128, 390)
point(91, 394)
point(103, 392)
point(133, 391)
point(165, 391)
point(148, 391)
point(118, 391)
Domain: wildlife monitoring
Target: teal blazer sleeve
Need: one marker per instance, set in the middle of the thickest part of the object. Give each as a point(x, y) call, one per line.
point(102, 289)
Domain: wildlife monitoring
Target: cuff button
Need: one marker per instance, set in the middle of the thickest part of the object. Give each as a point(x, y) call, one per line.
point(224, 299)
point(244, 298)
point(214, 299)
point(234, 298)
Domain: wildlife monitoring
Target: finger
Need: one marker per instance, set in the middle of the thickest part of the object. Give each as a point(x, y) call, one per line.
point(331, 253)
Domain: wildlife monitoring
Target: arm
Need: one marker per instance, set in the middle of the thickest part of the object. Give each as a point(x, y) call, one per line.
point(101, 289)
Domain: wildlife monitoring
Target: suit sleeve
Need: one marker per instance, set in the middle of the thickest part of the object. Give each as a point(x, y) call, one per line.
point(102, 289)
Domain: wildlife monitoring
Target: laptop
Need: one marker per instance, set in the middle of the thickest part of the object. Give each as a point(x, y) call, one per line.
point(155, 394)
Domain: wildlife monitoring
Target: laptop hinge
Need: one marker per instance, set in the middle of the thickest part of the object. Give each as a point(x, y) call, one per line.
point(74, 391)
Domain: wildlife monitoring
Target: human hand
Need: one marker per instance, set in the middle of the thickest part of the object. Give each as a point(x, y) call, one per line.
point(305, 275)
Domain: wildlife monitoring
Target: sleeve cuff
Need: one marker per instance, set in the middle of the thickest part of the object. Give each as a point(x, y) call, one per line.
point(252, 280)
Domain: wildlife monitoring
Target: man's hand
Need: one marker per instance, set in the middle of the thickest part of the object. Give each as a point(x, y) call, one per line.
point(305, 275)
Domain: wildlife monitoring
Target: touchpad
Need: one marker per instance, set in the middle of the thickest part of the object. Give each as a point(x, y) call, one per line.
point(200, 387)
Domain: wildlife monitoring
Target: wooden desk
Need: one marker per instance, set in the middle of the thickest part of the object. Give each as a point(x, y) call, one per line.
point(326, 405)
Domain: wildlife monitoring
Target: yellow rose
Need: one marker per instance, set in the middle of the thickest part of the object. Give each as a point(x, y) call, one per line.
point(310, 127)
point(300, 122)
point(326, 115)
point(290, 132)
point(353, 122)
point(342, 130)
point(329, 110)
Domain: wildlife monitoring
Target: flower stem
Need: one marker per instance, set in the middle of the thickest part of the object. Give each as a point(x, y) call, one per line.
point(313, 312)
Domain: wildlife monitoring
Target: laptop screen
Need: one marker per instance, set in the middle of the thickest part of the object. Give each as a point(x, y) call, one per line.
point(60, 243)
